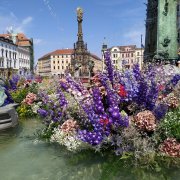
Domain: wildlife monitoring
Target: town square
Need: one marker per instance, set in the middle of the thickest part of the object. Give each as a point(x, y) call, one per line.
point(90, 90)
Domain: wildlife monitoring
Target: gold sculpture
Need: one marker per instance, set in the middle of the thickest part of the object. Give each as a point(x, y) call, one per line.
point(79, 14)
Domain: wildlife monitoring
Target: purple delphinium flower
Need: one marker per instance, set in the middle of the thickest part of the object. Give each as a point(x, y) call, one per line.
point(42, 112)
point(64, 85)
point(137, 72)
point(61, 97)
point(109, 66)
point(175, 79)
point(160, 111)
point(73, 84)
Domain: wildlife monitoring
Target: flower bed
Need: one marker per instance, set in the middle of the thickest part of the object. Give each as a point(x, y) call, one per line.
point(131, 113)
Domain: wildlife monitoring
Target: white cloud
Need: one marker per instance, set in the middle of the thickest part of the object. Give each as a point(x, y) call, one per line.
point(11, 20)
point(27, 20)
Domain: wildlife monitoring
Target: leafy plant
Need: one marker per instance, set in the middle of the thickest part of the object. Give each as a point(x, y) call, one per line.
point(25, 111)
point(170, 126)
point(19, 95)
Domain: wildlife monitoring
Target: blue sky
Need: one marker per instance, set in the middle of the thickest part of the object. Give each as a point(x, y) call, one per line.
point(52, 23)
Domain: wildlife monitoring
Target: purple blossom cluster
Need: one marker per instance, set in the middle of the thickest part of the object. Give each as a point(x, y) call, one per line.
point(13, 82)
point(52, 108)
point(109, 66)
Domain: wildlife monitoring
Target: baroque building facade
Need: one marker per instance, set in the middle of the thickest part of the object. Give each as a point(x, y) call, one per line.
point(59, 62)
point(8, 57)
point(124, 56)
point(25, 52)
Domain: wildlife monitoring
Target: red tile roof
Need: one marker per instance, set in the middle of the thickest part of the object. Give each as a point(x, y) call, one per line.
point(58, 52)
point(22, 40)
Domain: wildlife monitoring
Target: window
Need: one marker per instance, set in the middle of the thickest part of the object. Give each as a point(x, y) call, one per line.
point(66, 61)
point(14, 64)
point(2, 52)
point(54, 67)
point(54, 62)
point(123, 55)
point(131, 60)
point(138, 54)
point(58, 67)
point(67, 56)
point(6, 53)
point(62, 56)
point(114, 61)
point(114, 55)
point(131, 54)
point(58, 62)
point(62, 61)
point(115, 49)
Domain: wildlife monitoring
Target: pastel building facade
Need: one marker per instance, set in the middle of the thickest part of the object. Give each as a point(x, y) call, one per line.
point(59, 62)
point(124, 56)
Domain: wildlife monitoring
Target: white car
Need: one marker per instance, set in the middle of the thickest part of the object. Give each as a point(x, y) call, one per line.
point(8, 116)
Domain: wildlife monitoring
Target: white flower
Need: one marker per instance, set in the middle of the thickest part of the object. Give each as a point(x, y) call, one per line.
point(70, 140)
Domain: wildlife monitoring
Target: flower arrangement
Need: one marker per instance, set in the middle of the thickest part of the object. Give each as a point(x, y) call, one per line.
point(131, 111)
point(115, 102)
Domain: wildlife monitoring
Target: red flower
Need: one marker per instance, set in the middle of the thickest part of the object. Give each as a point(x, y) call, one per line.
point(104, 121)
point(161, 87)
point(122, 92)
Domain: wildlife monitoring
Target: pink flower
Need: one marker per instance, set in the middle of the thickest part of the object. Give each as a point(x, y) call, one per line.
point(170, 147)
point(69, 126)
point(145, 121)
point(30, 98)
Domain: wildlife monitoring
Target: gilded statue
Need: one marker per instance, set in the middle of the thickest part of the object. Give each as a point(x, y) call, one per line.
point(79, 14)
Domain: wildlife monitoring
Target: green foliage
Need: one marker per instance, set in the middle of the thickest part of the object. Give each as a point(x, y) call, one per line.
point(25, 111)
point(170, 126)
point(47, 132)
point(19, 95)
point(33, 88)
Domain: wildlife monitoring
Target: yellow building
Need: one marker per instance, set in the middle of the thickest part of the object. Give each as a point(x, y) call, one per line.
point(55, 63)
point(58, 62)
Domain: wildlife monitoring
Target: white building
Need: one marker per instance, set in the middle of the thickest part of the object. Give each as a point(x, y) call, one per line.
point(124, 56)
point(8, 57)
point(24, 61)
point(15, 56)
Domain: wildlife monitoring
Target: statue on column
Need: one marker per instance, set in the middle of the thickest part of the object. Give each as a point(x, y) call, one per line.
point(79, 14)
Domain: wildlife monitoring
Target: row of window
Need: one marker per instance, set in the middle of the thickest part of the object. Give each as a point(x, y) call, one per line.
point(62, 56)
point(25, 61)
point(126, 49)
point(62, 61)
point(9, 64)
point(6, 53)
point(126, 55)
point(62, 67)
